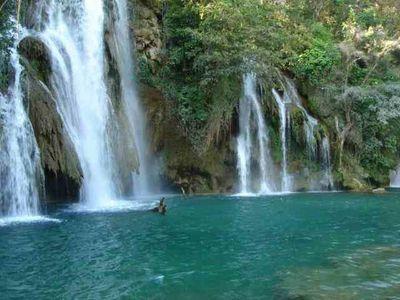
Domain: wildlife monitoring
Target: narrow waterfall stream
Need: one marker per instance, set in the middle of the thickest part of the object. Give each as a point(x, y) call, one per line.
point(286, 181)
point(20, 171)
point(310, 125)
point(326, 164)
point(252, 121)
point(146, 181)
point(289, 98)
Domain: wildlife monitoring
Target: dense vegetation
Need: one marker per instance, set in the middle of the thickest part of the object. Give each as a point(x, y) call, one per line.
point(7, 9)
point(343, 54)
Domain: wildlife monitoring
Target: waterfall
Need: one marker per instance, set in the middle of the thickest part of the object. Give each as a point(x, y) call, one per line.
point(20, 173)
point(244, 146)
point(310, 124)
point(291, 98)
point(145, 181)
point(107, 127)
point(251, 121)
point(395, 178)
point(74, 37)
point(309, 130)
point(74, 34)
point(286, 182)
point(326, 164)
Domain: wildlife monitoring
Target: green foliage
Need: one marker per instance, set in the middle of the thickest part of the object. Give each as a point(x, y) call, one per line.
point(145, 71)
point(316, 63)
point(375, 114)
point(223, 102)
point(344, 54)
point(368, 17)
point(6, 41)
point(297, 122)
point(215, 42)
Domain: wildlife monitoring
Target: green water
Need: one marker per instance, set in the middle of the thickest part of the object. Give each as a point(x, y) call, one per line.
point(301, 246)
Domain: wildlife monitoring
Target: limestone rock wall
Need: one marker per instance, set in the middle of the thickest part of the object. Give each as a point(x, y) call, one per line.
point(63, 174)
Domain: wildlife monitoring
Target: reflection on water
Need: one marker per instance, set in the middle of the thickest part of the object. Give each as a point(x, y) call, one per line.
point(306, 246)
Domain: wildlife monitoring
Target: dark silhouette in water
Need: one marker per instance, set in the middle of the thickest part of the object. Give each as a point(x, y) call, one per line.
point(161, 208)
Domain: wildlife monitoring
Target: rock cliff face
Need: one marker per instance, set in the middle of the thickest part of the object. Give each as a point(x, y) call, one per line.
point(184, 169)
point(63, 174)
point(61, 166)
point(147, 30)
point(215, 169)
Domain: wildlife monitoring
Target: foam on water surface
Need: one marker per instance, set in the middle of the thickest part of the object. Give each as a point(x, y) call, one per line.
point(6, 221)
point(111, 206)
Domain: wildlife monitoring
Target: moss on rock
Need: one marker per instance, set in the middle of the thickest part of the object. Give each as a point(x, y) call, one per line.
point(63, 174)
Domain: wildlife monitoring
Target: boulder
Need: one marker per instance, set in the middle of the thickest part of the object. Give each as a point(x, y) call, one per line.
point(379, 191)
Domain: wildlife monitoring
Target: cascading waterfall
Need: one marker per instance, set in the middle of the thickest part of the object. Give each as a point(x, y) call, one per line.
point(310, 124)
point(145, 181)
point(74, 34)
point(251, 119)
point(74, 37)
point(286, 182)
point(289, 98)
point(20, 171)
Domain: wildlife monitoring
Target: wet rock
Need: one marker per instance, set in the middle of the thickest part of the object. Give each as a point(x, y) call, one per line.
point(184, 169)
point(62, 170)
point(36, 58)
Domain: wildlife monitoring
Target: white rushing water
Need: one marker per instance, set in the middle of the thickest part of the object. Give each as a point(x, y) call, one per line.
point(310, 124)
point(310, 127)
point(291, 98)
point(20, 172)
point(75, 37)
point(395, 178)
point(249, 148)
point(286, 181)
point(108, 134)
point(146, 180)
point(244, 146)
point(326, 164)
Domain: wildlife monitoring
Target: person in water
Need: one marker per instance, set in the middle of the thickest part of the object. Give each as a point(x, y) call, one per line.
point(161, 208)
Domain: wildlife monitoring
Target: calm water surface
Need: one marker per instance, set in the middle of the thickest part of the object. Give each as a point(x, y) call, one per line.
point(300, 246)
